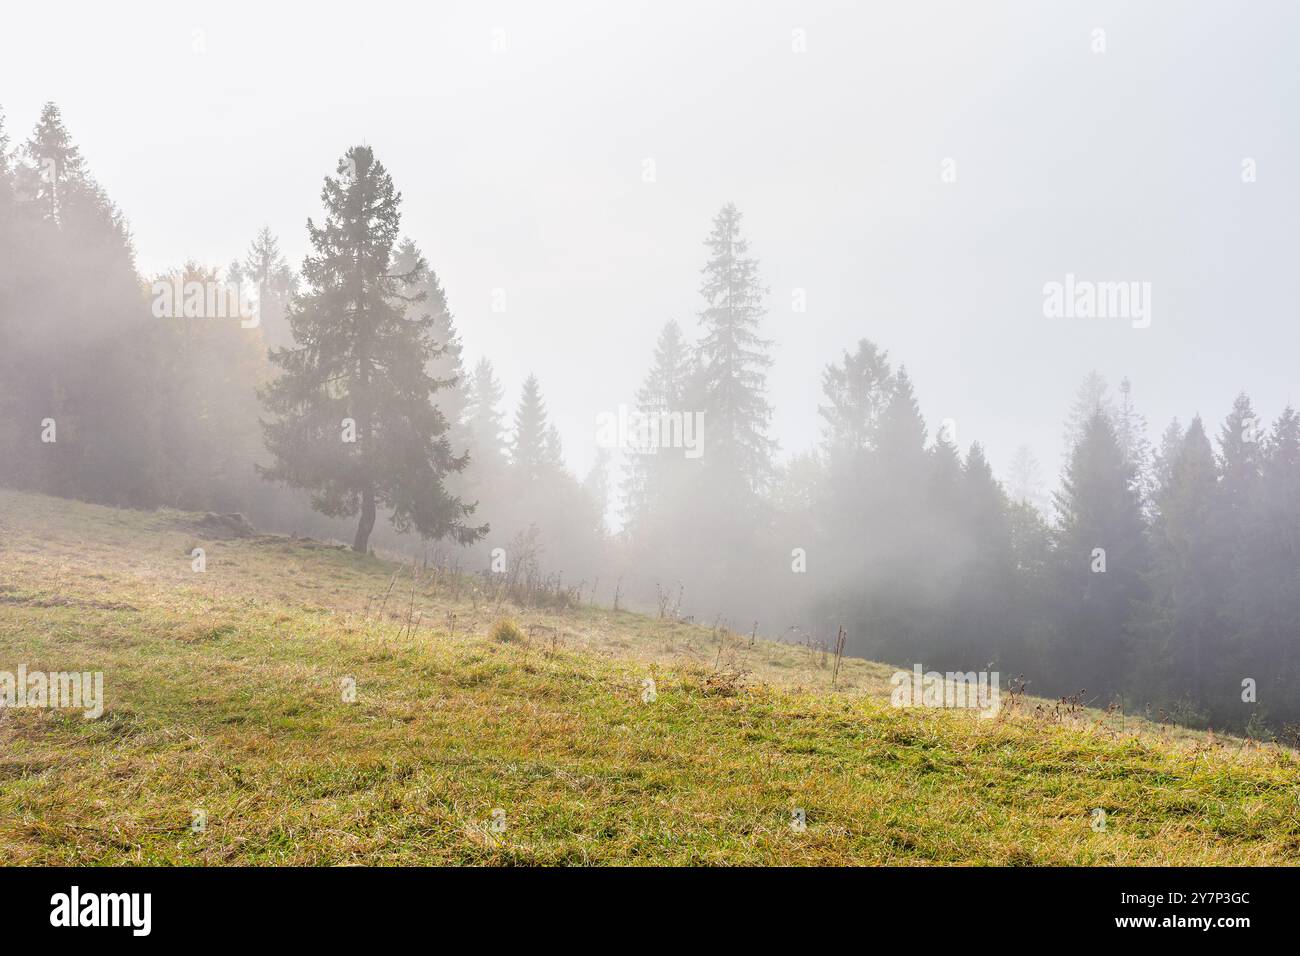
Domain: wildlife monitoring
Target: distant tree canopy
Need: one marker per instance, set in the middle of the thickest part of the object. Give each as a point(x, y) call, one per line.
point(275, 283)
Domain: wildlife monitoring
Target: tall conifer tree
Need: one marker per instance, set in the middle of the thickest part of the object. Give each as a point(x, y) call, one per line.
point(651, 478)
point(357, 422)
point(484, 419)
point(733, 360)
point(529, 451)
point(1102, 560)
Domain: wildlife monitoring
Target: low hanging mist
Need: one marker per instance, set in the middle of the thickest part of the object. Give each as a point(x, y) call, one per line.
point(740, 461)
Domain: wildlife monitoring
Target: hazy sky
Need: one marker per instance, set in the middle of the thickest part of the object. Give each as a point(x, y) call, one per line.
point(522, 169)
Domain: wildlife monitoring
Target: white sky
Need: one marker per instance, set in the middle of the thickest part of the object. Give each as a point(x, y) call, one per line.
point(522, 170)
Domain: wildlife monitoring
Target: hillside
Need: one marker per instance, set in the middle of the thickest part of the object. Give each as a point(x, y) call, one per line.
point(224, 693)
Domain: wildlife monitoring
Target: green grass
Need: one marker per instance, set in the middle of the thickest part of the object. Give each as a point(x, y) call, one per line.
point(225, 693)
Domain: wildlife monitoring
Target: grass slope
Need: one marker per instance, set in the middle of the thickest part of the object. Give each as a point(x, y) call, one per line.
point(223, 696)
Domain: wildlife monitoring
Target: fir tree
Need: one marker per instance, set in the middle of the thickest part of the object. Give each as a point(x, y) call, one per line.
point(650, 479)
point(856, 393)
point(1102, 560)
point(529, 452)
point(486, 425)
point(1240, 440)
point(552, 448)
point(900, 439)
point(1025, 481)
point(56, 164)
point(733, 359)
point(896, 534)
point(357, 421)
point(1131, 432)
point(1171, 443)
point(945, 472)
point(987, 625)
point(446, 365)
point(1092, 396)
point(1187, 581)
point(596, 487)
point(1271, 587)
point(270, 274)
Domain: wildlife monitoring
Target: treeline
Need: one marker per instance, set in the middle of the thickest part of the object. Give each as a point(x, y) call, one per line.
point(1164, 579)
point(159, 404)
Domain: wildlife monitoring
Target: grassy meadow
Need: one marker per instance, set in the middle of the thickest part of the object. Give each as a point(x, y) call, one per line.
point(297, 703)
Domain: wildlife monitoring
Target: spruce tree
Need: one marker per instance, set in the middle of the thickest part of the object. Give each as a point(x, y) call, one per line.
point(1187, 582)
point(945, 473)
point(552, 449)
point(1025, 479)
point(732, 361)
point(596, 487)
point(56, 164)
point(987, 622)
point(529, 451)
point(484, 420)
point(56, 183)
point(1273, 601)
point(900, 470)
point(82, 363)
point(1171, 442)
point(1092, 396)
point(1031, 556)
point(1240, 532)
point(1282, 455)
point(357, 424)
point(900, 438)
point(1131, 432)
point(856, 392)
point(665, 385)
point(1102, 560)
point(650, 479)
point(898, 534)
point(270, 274)
point(1240, 441)
point(447, 364)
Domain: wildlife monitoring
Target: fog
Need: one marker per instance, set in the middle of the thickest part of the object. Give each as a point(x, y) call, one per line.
point(923, 176)
point(523, 170)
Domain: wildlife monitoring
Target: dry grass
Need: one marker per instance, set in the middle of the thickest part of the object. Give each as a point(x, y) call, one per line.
point(225, 694)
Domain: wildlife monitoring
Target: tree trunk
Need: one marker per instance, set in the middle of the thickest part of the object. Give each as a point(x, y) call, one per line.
point(367, 523)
